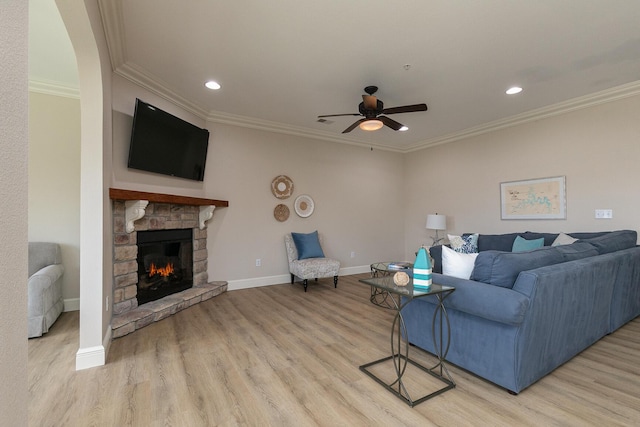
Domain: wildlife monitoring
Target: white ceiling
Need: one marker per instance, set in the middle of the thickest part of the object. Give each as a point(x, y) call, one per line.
point(282, 63)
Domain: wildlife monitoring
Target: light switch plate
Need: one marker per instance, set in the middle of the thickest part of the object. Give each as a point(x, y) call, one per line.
point(604, 213)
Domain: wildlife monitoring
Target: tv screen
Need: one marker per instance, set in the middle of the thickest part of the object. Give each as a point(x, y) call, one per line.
point(165, 144)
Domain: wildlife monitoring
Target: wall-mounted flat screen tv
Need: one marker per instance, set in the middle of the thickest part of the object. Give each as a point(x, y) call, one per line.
point(165, 144)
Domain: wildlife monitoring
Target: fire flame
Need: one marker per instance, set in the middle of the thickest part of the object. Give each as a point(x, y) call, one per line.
point(165, 271)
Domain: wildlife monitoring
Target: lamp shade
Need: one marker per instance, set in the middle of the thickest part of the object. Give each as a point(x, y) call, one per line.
point(436, 222)
point(371, 125)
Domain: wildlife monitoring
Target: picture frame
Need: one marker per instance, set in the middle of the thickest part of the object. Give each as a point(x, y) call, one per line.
point(541, 198)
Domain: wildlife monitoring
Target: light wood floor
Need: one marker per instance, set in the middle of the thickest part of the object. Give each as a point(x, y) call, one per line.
point(275, 356)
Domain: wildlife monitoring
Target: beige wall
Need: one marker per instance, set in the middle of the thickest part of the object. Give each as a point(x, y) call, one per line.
point(54, 182)
point(365, 200)
point(14, 396)
point(358, 207)
point(596, 149)
point(374, 202)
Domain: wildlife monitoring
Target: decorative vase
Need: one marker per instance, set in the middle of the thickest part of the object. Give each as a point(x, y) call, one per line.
point(422, 270)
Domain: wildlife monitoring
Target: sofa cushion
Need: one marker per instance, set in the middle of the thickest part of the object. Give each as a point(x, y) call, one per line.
point(465, 244)
point(496, 242)
point(563, 239)
point(613, 241)
point(436, 255)
point(520, 244)
point(576, 251)
point(532, 235)
point(457, 264)
point(502, 268)
point(307, 245)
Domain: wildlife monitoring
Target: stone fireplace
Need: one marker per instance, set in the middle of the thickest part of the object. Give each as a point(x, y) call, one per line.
point(165, 263)
point(170, 233)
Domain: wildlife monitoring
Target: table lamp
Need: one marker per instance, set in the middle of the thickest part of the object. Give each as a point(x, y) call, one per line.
point(436, 222)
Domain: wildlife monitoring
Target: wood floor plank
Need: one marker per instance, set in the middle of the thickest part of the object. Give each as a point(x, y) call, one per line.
point(277, 356)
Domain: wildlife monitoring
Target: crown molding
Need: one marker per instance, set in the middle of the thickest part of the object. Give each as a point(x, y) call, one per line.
point(591, 100)
point(54, 88)
point(152, 83)
point(265, 125)
point(113, 24)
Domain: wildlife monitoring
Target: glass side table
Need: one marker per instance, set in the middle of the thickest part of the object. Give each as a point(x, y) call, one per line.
point(380, 297)
point(399, 297)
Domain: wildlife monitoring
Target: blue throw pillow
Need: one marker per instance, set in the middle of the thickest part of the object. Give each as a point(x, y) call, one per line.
point(307, 245)
point(522, 244)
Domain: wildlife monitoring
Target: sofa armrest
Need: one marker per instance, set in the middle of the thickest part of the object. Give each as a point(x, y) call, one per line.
point(487, 301)
point(40, 288)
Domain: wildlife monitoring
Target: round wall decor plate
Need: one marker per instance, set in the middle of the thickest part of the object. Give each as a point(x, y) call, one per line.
point(304, 205)
point(282, 187)
point(281, 212)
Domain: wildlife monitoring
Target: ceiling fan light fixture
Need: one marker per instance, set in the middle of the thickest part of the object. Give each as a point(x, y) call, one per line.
point(371, 125)
point(404, 129)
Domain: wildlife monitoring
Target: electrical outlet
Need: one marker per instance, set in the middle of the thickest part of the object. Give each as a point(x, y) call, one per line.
point(106, 304)
point(258, 262)
point(353, 254)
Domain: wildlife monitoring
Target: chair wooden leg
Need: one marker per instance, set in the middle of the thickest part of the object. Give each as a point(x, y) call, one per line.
point(304, 283)
point(335, 281)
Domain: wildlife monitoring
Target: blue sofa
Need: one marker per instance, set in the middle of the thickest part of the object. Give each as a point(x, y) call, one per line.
point(521, 315)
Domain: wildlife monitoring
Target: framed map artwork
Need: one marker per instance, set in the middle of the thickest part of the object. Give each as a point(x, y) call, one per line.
point(543, 198)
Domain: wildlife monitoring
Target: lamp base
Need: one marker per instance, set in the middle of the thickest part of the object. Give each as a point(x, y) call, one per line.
point(437, 240)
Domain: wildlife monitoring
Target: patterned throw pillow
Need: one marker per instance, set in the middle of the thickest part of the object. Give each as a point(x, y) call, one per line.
point(464, 244)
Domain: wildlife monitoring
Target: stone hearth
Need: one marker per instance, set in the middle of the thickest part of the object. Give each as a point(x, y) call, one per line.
point(137, 211)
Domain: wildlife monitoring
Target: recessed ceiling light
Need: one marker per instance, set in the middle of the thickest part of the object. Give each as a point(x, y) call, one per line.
point(514, 90)
point(212, 85)
point(403, 129)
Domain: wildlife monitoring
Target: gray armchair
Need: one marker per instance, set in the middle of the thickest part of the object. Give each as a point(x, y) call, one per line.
point(44, 287)
point(310, 268)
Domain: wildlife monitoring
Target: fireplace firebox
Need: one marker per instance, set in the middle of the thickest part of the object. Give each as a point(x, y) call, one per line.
point(165, 263)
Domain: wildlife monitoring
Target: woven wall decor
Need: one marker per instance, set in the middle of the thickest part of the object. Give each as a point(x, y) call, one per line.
point(282, 187)
point(281, 212)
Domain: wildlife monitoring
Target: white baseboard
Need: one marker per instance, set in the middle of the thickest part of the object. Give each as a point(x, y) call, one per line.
point(355, 270)
point(234, 285)
point(72, 304)
point(257, 282)
point(92, 357)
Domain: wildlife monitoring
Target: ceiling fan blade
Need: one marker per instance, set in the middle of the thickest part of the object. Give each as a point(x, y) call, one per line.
point(338, 115)
point(370, 102)
point(353, 126)
point(405, 109)
point(390, 122)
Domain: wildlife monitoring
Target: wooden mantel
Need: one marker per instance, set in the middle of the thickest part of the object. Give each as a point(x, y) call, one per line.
point(136, 202)
point(118, 194)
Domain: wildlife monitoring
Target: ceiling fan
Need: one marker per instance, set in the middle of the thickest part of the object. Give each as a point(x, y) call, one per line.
point(373, 109)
